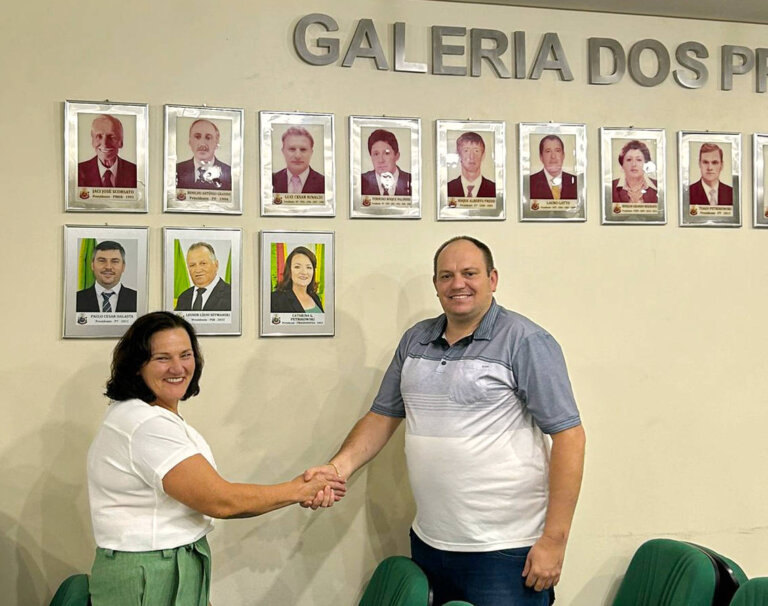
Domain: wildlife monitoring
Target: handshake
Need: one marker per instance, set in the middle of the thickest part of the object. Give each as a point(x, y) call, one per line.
point(322, 486)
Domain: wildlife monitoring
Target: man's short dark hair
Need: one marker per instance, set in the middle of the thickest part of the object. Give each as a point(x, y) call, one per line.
point(134, 350)
point(710, 147)
point(550, 138)
point(109, 245)
point(469, 137)
point(383, 135)
point(487, 255)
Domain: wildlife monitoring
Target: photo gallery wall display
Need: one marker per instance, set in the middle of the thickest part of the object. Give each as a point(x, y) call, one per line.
point(297, 164)
point(105, 280)
point(633, 168)
point(203, 160)
point(384, 167)
point(105, 156)
point(297, 289)
point(553, 168)
point(202, 277)
point(471, 156)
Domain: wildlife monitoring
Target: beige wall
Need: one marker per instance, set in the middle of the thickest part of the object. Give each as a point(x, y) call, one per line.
point(663, 327)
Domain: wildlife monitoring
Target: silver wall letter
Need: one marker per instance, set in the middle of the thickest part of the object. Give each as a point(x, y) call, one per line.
point(761, 67)
point(519, 55)
point(662, 58)
point(683, 56)
point(727, 68)
point(365, 31)
point(401, 64)
point(439, 49)
point(330, 44)
point(551, 44)
point(493, 55)
point(619, 60)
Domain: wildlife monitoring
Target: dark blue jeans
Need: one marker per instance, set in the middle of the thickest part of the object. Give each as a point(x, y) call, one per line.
point(490, 578)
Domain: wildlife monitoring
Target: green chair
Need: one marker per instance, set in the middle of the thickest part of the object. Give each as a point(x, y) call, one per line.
point(753, 592)
point(729, 574)
point(664, 572)
point(73, 592)
point(397, 581)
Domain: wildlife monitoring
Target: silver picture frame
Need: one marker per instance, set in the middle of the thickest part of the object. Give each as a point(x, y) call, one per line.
point(209, 259)
point(293, 141)
point(719, 155)
point(485, 143)
point(384, 167)
point(97, 134)
point(759, 175)
point(103, 264)
point(546, 148)
point(203, 169)
point(304, 306)
point(633, 176)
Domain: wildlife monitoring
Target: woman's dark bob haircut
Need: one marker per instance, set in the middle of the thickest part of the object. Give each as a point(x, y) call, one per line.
point(134, 350)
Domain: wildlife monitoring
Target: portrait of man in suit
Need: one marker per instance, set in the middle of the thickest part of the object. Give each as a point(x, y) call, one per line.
point(298, 177)
point(551, 182)
point(106, 168)
point(108, 294)
point(709, 190)
point(203, 170)
point(386, 178)
point(471, 183)
point(210, 292)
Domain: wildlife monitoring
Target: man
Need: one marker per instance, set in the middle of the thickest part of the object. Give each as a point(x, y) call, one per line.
point(210, 292)
point(106, 168)
point(107, 294)
point(471, 184)
point(479, 386)
point(203, 170)
point(551, 183)
point(298, 177)
point(386, 178)
point(708, 190)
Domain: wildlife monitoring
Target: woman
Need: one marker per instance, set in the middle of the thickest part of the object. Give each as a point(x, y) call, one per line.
point(634, 186)
point(152, 480)
point(297, 290)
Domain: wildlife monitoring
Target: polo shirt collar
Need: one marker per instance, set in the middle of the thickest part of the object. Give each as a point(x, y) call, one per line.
point(484, 331)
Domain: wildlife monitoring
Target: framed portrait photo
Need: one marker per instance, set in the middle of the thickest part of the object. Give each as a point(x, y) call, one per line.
point(105, 279)
point(760, 203)
point(633, 167)
point(470, 170)
point(384, 167)
point(297, 164)
point(201, 277)
point(105, 157)
point(553, 167)
point(297, 283)
point(710, 179)
point(203, 160)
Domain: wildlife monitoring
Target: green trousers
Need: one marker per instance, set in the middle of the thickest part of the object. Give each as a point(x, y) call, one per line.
point(166, 577)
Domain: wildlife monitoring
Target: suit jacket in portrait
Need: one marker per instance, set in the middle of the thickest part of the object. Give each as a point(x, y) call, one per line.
point(539, 187)
point(284, 302)
point(370, 187)
point(87, 301)
point(185, 176)
point(487, 189)
point(697, 194)
point(220, 298)
point(315, 183)
point(88, 173)
point(619, 194)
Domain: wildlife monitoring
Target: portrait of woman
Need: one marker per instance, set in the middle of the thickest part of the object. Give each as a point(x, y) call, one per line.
point(296, 292)
point(634, 186)
point(153, 485)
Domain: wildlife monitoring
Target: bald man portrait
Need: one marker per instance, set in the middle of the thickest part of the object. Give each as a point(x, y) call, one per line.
point(106, 168)
point(203, 170)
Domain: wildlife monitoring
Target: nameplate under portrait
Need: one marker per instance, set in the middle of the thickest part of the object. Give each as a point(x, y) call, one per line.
point(470, 158)
point(709, 179)
point(105, 280)
point(297, 164)
point(201, 277)
point(760, 176)
point(553, 167)
point(105, 156)
point(203, 160)
point(633, 168)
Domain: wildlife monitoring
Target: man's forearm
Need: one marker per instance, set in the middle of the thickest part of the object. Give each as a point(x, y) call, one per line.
point(566, 467)
point(369, 435)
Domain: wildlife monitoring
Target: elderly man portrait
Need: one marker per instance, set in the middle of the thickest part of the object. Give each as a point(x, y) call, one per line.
point(108, 294)
point(709, 190)
point(209, 291)
point(298, 177)
point(106, 168)
point(203, 170)
point(386, 178)
point(551, 183)
point(471, 183)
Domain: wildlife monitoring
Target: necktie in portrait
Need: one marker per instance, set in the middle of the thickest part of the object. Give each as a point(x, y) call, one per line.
point(469, 190)
point(106, 305)
point(106, 180)
point(198, 303)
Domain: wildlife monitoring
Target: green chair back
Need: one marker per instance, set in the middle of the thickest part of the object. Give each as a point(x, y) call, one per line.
point(73, 592)
point(730, 576)
point(397, 581)
point(753, 592)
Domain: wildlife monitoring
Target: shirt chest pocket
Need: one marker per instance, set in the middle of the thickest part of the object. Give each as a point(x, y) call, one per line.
point(477, 382)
